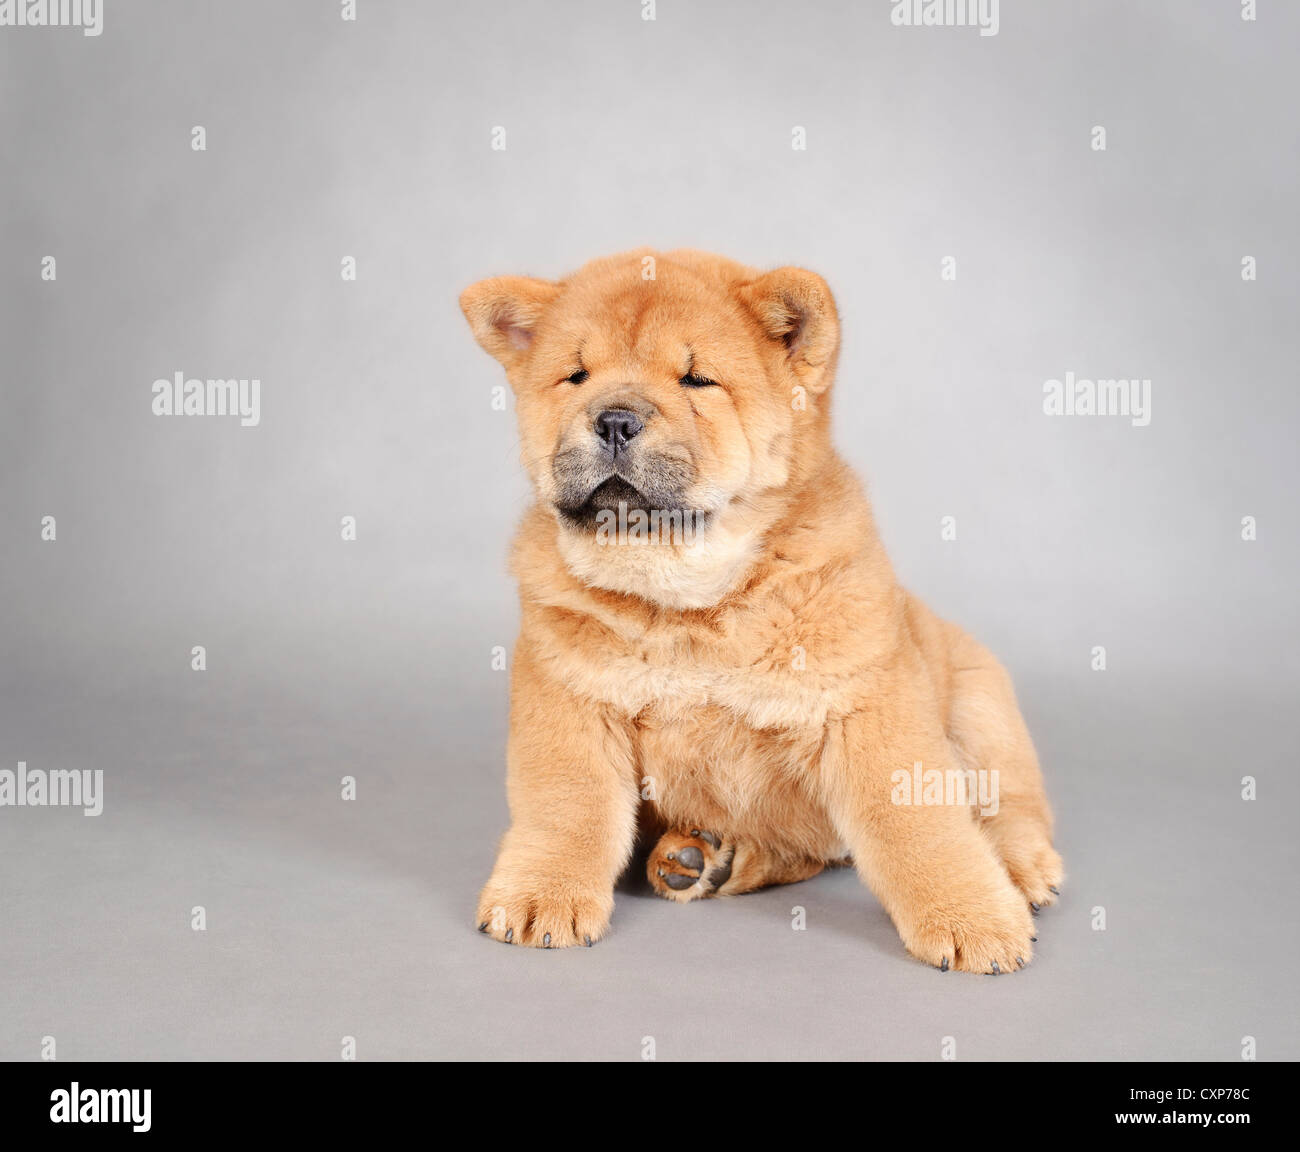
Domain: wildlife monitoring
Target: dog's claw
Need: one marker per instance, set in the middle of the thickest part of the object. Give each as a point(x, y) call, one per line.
point(587, 941)
point(510, 935)
point(546, 940)
point(1053, 889)
point(943, 967)
point(996, 969)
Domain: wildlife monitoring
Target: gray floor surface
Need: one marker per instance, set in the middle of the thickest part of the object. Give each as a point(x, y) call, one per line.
point(328, 918)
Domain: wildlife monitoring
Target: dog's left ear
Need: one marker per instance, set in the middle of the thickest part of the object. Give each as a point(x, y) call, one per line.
point(503, 311)
point(796, 308)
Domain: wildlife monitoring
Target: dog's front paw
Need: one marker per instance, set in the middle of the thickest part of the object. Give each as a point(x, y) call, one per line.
point(1033, 864)
point(990, 932)
point(686, 866)
point(543, 913)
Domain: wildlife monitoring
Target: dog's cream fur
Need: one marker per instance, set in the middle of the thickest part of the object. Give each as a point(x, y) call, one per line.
point(745, 697)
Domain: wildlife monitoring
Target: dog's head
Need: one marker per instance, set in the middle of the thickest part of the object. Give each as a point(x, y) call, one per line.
point(662, 399)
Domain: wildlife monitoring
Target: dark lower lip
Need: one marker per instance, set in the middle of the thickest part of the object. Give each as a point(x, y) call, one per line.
point(612, 493)
point(607, 497)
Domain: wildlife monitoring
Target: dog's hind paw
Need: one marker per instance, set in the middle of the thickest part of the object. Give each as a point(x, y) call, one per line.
point(686, 866)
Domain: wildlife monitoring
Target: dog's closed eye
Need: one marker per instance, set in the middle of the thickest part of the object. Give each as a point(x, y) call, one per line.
point(577, 377)
point(691, 380)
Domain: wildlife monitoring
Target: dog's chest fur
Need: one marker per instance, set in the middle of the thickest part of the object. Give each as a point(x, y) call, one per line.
point(704, 767)
point(729, 727)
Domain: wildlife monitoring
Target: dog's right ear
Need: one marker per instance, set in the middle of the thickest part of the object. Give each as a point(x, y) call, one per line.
point(503, 311)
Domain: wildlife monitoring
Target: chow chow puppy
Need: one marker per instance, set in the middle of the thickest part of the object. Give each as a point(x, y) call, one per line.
point(714, 652)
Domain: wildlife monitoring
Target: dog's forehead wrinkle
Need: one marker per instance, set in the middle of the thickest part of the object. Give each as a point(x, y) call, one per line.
point(669, 317)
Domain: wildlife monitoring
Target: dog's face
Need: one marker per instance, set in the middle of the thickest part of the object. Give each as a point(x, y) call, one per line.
point(670, 385)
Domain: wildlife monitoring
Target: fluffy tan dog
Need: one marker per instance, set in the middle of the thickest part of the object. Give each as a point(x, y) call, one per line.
point(714, 650)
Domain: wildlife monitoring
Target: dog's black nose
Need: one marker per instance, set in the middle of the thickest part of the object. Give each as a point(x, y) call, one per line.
point(616, 427)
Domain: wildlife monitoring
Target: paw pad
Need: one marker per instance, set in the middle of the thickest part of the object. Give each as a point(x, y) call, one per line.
point(694, 864)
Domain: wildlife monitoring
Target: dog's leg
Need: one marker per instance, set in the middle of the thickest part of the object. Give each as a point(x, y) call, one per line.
point(930, 865)
point(986, 726)
point(685, 866)
point(573, 805)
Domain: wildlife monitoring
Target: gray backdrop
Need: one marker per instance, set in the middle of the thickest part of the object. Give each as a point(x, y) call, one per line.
point(371, 658)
